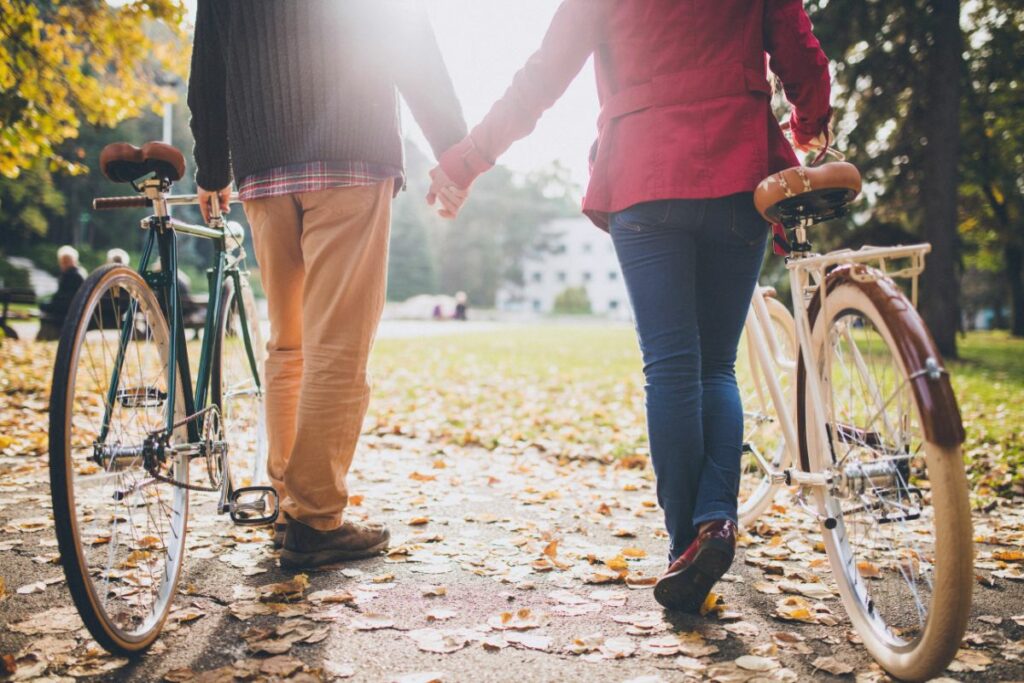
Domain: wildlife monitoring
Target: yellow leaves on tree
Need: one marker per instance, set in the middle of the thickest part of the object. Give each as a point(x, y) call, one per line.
point(68, 61)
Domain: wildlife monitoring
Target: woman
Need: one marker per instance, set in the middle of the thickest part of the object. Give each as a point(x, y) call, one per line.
point(686, 132)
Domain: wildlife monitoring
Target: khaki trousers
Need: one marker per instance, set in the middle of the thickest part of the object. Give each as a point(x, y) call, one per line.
point(323, 259)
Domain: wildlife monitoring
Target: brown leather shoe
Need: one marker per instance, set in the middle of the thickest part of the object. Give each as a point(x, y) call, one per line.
point(306, 547)
point(690, 578)
point(279, 530)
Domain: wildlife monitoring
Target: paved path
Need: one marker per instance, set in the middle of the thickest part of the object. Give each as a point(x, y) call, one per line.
point(496, 532)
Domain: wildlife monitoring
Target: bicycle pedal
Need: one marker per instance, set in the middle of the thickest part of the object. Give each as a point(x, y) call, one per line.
point(899, 517)
point(249, 505)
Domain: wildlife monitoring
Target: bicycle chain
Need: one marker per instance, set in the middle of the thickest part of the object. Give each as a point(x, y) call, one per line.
point(183, 485)
point(163, 436)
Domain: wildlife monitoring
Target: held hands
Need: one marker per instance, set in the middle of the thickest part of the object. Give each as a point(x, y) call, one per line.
point(451, 195)
point(815, 144)
point(206, 196)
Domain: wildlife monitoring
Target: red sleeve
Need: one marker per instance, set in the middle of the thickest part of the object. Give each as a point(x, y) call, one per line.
point(796, 57)
point(570, 40)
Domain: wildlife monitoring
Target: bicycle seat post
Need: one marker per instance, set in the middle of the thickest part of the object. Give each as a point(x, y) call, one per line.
point(801, 247)
point(156, 190)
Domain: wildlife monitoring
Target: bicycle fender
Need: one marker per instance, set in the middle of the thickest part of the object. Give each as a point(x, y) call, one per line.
point(933, 392)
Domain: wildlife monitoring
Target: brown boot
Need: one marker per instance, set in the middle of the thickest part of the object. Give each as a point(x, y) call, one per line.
point(279, 529)
point(305, 547)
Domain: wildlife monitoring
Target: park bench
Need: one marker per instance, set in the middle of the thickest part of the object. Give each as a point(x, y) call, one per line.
point(193, 309)
point(15, 295)
point(193, 312)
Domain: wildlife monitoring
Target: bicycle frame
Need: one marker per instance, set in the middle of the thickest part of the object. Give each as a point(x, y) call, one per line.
point(807, 276)
point(161, 238)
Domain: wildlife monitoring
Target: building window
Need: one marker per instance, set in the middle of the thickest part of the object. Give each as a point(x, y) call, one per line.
point(613, 275)
point(561, 276)
point(536, 304)
point(613, 305)
point(538, 276)
point(586, 276)
point(587, 247)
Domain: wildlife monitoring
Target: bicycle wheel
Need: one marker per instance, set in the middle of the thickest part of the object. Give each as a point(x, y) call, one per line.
point(762, 429)
point(236, 390)
point(901, 548)
point(120, 529)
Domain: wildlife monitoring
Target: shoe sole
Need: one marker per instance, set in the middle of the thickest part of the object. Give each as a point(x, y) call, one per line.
point(292, 559)
point(687, 590)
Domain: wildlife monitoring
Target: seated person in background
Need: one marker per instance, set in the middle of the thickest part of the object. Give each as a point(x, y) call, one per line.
point(118, 256)
point(54, 311)
point(112, 309)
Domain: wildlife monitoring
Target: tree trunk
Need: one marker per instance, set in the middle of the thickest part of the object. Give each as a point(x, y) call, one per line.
point(1014, 257)
point(940, 285)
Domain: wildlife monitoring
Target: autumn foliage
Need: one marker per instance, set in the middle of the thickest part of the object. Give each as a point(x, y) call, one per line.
point(65, 62)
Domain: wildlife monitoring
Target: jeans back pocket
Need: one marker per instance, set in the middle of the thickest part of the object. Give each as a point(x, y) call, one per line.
point(643, 216)
point(747, 225)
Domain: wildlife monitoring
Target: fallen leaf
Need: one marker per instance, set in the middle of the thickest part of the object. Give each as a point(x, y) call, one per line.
point(755, 663)
point(520, 620)
point(282, 666)
point(286, 591)
point(795, 608)
point(833, 666)
point(441, 642)
point(532, 641)
point(423, 677)
point(372, 622)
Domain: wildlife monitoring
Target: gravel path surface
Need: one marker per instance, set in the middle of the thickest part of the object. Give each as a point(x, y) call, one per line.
point(496, 532)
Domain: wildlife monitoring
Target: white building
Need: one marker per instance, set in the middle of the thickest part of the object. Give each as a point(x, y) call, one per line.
point(581, 256)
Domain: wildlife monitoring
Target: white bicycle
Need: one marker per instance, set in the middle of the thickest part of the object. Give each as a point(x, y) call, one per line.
point(848, 402)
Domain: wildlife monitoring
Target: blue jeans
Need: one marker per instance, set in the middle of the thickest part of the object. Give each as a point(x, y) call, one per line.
point(690, 267)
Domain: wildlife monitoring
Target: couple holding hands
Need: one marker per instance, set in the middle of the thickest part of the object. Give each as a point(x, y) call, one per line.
point(297, 103)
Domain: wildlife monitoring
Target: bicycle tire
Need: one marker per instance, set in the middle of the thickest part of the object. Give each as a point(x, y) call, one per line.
point(81, 320)
point(751, 507)
point(934, 643)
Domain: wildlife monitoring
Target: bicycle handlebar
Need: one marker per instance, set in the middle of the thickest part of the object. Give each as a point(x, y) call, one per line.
point(141, 202)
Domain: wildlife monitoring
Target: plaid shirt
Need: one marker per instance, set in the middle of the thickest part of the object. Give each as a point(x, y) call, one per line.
point(313, 176)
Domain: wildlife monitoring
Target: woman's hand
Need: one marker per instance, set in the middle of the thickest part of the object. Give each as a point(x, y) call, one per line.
point(205, 197)
point(815, 144)
point(451, 195)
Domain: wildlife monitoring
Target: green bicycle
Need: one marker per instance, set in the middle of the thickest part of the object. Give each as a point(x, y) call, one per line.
point(130, 434)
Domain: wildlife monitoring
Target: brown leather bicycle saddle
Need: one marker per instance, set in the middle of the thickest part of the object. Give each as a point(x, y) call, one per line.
point(124, 163)
point(802, 193)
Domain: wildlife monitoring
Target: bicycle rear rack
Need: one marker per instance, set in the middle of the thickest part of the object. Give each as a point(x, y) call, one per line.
point(902, 261)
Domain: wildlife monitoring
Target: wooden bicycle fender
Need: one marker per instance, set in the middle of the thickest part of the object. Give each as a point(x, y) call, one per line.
point(933, 392)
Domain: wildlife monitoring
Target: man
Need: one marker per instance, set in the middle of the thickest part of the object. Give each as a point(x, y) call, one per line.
point(55, 310)
point(297, 101)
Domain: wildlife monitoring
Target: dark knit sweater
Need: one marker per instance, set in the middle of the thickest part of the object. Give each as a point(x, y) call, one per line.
point(278, 82)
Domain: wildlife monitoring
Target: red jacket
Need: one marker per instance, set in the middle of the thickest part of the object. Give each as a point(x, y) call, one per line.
point(685, 97)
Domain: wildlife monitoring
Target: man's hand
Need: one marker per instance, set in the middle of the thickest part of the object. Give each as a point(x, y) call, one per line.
point(206, 198)
point(451, 195)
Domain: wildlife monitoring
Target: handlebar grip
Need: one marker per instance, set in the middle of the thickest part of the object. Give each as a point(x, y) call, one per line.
point(108, 203)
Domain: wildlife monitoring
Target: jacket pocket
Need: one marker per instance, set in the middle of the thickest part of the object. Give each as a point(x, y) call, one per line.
point(643, 216)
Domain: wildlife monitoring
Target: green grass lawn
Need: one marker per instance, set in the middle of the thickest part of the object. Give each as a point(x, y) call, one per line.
point(989, 382)
point(578, 389)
